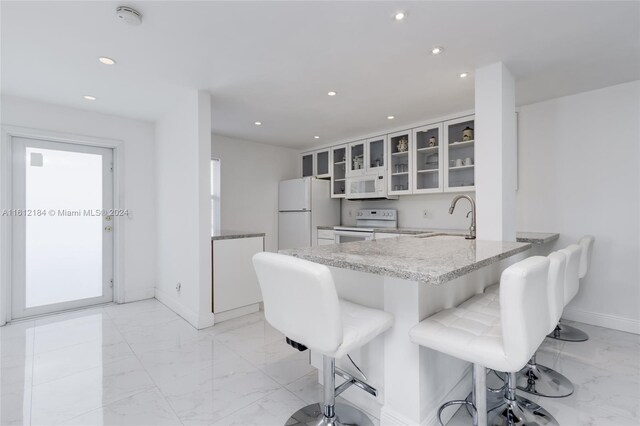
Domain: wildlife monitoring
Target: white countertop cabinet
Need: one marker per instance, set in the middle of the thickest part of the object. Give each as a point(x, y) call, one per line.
point(235, 285)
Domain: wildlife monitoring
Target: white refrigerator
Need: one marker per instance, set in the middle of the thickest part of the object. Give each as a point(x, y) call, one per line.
point(303, 205)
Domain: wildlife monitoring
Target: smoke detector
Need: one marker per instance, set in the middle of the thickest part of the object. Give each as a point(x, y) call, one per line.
point(128, 15)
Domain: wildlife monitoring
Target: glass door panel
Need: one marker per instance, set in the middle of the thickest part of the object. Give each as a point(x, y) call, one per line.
point(62, 231)
point(461, 158)
point(427, 159)
point(376, 153)
point(356, 163)
point(339, 171)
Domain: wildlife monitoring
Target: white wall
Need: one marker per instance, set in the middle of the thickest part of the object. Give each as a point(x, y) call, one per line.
point(250, 173)
point(183, 150)
point(579, 160)
point(138, 177)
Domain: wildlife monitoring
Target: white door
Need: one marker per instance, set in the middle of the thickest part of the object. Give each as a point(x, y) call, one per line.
point(294, 230)
point(62, 226)
point(294, 195)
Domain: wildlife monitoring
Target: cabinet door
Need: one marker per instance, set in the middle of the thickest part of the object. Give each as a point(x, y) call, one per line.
point(356, 158)
point(400, 163)
point(339, 171)
point(459, 155)
point(325, 242)
point(323, 170)
point(376, 153)
point(307, 164)
point(428, 158)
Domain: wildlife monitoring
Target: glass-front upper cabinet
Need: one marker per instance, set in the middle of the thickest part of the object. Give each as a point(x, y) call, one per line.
point(400, 156)
point(356, 158)
point(427, 159)
point(375, 153)
point(307, 164)
point(322, 164)
point(459, 154)
point(339, 171)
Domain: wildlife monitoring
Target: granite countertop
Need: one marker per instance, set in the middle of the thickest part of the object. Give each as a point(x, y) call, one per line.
point(432, 259)
point(230, 235)
point(521, 237)
point(537, 237)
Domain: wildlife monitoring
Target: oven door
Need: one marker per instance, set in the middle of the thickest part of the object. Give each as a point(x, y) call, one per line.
point(351, 236)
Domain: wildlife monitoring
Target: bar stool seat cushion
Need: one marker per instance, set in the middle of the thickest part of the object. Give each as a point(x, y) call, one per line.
point(468, 335)
point(360, 326)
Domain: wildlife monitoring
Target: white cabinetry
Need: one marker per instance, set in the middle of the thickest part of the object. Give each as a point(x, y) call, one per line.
point(459, 155)
point(316, 163)
point(234, 281)
point(427, 159)
point(400, 163)
point(326, 237)
point(338, 171)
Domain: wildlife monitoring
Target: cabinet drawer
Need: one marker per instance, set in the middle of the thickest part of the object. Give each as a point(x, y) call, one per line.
point(381, 235)
point(323, 242)
point(326, 234)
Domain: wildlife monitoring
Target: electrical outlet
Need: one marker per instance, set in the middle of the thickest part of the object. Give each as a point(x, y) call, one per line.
point(178, 287)
point(425, 214)
point(350, 213)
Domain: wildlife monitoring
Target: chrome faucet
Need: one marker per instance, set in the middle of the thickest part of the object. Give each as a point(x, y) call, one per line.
point(472, 228)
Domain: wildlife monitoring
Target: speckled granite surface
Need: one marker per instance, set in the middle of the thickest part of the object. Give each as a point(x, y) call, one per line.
point(537, 237)
point(432, 260)
point(230, 235)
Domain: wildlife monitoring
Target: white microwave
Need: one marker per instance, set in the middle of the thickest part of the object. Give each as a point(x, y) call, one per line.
point(371, 185)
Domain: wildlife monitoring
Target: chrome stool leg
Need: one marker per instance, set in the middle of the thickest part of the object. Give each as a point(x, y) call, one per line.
point(568, 334)
point(330, 413)
point(539, 380)
point(518, 411)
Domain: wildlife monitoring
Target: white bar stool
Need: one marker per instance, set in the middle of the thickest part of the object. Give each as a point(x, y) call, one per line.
point(534, 378)
point(502, 343)
point(565, 332)
point(300, 300)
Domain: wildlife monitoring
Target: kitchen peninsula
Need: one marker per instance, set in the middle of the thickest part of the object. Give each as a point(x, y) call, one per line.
point(411, 277)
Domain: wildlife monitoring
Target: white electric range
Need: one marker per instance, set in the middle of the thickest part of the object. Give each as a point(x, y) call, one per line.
point(367, 220)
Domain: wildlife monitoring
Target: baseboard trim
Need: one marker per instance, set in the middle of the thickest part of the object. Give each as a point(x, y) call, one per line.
point(177, 307)
point(602, 320)
point(138, 294)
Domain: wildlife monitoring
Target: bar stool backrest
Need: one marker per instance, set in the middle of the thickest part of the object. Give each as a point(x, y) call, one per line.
point(586, 243)
point(300, 300)
point(557, 271)
point(571, 277)
point(523, 302)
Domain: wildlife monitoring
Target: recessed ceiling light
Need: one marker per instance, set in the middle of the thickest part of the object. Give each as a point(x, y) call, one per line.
point(89, 97)
point(400, 15)
point(463, 75)
point(106, 61)
point(436, 50)
point(390, 117)
point(316, 137)
point(332, 93)
point(258, 123)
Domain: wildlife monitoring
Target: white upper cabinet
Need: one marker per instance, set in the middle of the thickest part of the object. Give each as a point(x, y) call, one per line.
point(376, 154)
point(459, 155)
point(400, 154)
point(307, 160)
point(356, 164)
point(323, 163)
point(427, 159)
point(339, 171)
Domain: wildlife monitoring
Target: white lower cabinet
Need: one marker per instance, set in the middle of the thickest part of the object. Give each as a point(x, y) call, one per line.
point(235, 284)
point(326, 237)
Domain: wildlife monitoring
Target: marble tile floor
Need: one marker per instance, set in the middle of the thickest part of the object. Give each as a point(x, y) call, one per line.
point(605, 371)
point(140, 364)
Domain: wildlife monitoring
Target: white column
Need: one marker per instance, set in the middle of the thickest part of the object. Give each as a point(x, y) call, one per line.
point(496, 153)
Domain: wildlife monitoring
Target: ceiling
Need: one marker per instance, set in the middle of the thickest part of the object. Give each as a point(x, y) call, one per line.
point(275, 61)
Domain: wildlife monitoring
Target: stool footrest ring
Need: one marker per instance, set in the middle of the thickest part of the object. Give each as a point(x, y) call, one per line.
point(454, 402)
